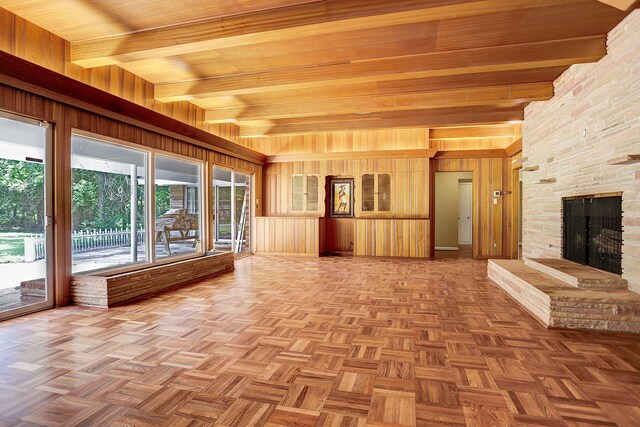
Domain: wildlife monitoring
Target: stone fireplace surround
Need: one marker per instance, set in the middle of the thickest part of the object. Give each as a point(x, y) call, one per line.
point(593, 118)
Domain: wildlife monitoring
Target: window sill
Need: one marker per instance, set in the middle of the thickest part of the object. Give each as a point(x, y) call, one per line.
point(106, 290)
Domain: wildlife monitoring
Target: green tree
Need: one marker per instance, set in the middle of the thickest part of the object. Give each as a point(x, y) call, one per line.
point(22, 196)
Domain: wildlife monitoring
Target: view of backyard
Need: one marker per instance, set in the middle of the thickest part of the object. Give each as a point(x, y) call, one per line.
point(109, 197)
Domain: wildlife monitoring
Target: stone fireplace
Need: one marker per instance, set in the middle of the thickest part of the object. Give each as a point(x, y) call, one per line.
point(585, 141)
point(592, 231)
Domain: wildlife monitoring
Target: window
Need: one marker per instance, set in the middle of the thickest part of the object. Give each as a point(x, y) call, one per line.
point(232, 200)
point(112, 213)
point(108, 209)
point(177, 207)
point(305, 193)
point(376, 192)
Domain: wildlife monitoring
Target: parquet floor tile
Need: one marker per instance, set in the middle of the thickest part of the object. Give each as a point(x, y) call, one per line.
point(317, 342)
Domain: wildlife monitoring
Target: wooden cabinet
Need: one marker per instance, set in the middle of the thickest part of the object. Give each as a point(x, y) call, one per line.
point(376, 192)
point(305, 193)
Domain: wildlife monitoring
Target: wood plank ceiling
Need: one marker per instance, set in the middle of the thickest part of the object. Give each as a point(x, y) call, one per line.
point(287, 67)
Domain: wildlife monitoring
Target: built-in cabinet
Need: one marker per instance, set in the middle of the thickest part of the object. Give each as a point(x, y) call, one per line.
point(376, 192)
point(305, 193)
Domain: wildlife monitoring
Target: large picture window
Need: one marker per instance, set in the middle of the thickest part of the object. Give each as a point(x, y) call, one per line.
point(108, 204)
point(177, 207)
point(119, 219)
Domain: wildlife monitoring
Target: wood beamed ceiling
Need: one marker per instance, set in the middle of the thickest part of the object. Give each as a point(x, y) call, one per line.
point(290, 67)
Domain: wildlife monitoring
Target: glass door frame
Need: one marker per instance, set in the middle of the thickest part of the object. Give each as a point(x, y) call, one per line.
point(214, 208)
point(49, 217)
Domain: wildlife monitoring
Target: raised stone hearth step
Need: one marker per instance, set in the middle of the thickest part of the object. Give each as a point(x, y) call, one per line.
point(574, 274)
point(559, 305)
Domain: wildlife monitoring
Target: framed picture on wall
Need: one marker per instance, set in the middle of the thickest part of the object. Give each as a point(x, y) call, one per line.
point(342, 197)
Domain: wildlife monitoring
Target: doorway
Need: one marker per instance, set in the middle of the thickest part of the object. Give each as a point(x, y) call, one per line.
point(232, 211)
point(453, 214)
point(25, 215)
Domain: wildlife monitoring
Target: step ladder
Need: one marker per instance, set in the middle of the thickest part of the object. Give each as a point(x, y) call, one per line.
point(242, 225)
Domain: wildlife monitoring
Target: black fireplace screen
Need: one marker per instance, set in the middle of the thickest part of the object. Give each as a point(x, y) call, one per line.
point(592, 232)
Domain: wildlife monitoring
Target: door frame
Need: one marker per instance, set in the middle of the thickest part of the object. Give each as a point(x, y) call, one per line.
point(251, 204)
point(470, 184)
point(50, 219)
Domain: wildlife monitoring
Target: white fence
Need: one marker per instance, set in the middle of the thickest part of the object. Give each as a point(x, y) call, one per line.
point(83, 241)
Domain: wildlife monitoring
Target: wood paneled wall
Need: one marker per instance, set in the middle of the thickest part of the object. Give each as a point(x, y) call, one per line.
point(470, 144)
point(28, 41)
point(410, 182)
point(65, 118)
point(392, 237)
point(393, 139)
point(492, 223)
point(289, 236)
point(339, 234)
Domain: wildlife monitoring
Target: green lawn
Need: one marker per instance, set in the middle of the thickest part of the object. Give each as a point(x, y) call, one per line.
point(12, 247)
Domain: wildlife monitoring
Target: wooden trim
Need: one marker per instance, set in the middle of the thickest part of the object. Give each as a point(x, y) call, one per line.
point(473, 132)
point(514, 148)
point(594, 196)
point(24, 75)
point(471, 154)
point(354, 155)
point(432, 208)
point(388, 154)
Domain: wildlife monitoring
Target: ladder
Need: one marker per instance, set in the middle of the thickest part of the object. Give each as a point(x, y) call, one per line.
point(242, 225)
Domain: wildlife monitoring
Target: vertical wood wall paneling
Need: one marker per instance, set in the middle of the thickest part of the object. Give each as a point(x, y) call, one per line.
point(410, 181)
point(392, 237)
point(377, 140)
point(339, 234)
point(288, 236)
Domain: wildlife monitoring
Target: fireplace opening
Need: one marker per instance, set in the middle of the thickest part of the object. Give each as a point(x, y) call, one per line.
point(592, 232)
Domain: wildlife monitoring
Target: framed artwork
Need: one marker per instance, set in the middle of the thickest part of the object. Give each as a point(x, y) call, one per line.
point(342, 197)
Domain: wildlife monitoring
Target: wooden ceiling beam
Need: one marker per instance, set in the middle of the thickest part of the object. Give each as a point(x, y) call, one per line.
point(490, 59)
point(623, 5)
point(415, 119)
point(311, 19)
point(396, 87)
point(426, 100)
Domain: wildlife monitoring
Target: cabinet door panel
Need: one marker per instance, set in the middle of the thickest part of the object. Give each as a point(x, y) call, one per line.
point(368, 190)
point(384, 192)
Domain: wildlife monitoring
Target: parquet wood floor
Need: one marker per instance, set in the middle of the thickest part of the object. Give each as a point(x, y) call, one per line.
point(304, 342)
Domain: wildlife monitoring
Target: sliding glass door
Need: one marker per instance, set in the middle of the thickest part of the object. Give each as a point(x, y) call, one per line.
point(232, 211)
point(242, 192)
point(25, 215)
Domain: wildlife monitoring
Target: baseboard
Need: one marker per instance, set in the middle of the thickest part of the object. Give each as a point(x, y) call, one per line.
point(447, 248)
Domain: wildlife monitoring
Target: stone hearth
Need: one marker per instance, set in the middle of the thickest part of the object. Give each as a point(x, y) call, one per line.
point(563, 294)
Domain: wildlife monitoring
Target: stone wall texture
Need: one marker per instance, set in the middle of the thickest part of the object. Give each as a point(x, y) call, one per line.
point(593, 117)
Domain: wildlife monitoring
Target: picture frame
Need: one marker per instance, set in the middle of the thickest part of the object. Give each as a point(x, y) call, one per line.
point(342, 200)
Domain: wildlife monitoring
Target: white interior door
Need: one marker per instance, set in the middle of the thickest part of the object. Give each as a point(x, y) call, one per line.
point(465, 201)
